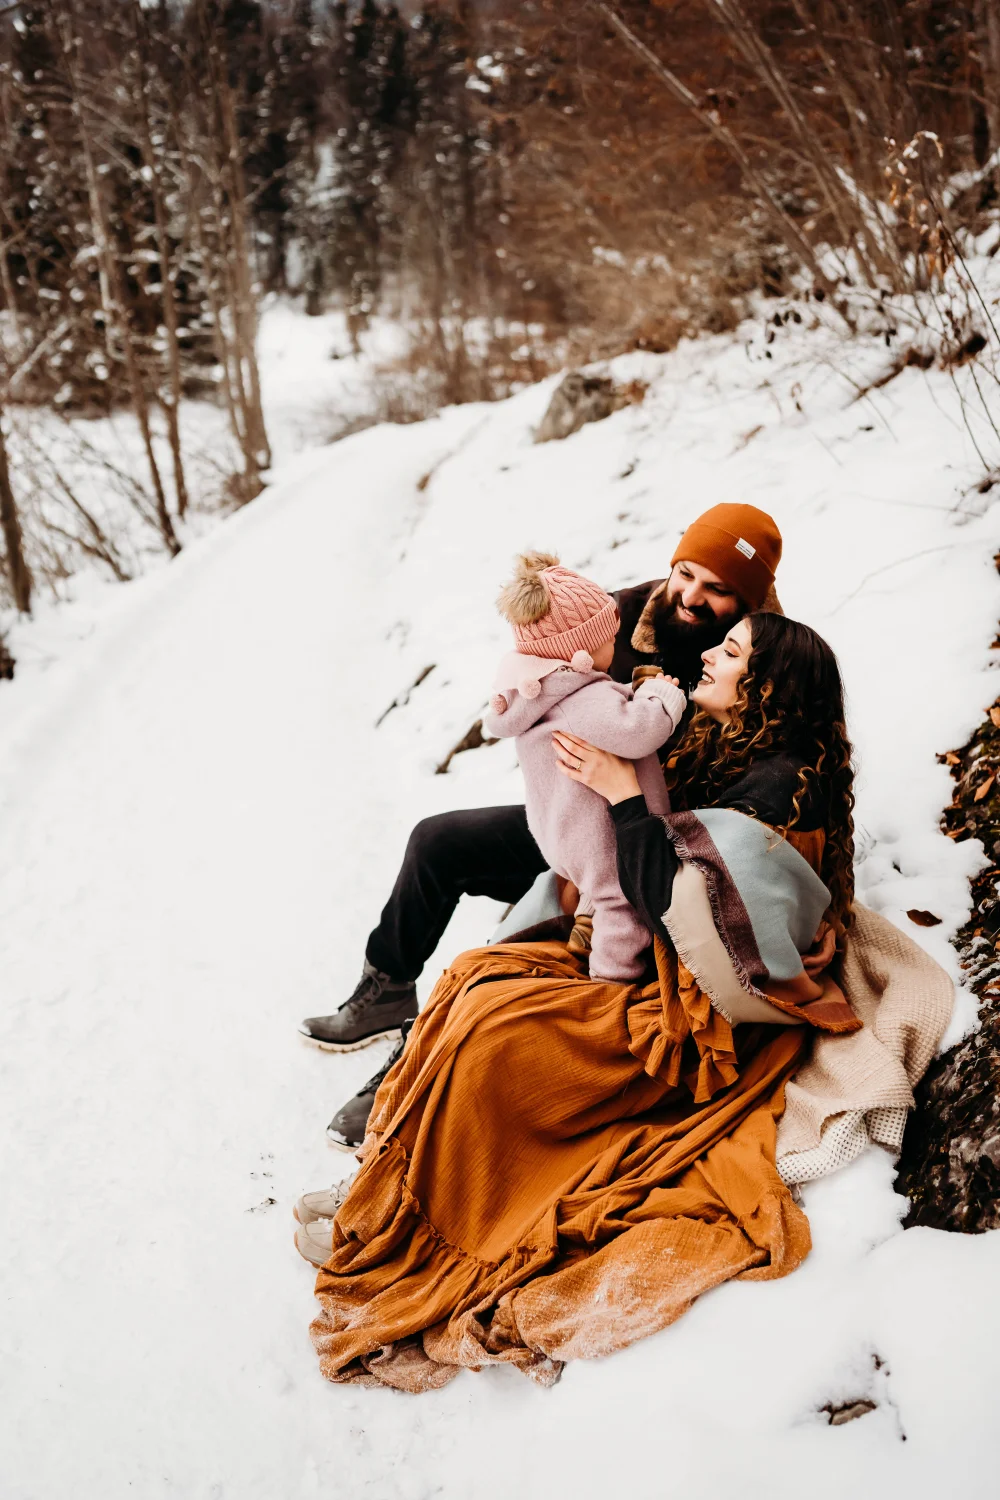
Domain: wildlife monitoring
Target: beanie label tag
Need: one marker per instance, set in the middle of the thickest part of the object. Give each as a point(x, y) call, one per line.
point(745, 547)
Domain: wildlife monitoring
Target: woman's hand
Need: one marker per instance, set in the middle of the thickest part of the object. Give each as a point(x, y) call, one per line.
point(604, 773)
point(820, 955)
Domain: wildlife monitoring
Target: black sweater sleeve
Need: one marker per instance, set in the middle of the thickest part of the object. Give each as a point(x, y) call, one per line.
point(647, 863)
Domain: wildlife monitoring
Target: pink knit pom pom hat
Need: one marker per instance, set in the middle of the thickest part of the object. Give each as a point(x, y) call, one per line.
point(555, 612)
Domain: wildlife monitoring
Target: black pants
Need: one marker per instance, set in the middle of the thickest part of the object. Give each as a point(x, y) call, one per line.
point(485, 851)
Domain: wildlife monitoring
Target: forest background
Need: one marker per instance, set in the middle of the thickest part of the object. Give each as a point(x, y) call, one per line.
point(516, 186)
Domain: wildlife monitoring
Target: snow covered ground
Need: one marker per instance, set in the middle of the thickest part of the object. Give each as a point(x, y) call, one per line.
point(200, 822)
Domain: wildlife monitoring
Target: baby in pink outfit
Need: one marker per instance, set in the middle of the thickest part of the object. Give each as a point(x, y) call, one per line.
point(564, 630)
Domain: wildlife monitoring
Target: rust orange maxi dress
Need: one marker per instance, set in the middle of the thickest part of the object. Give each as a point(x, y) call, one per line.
point(556, 1167)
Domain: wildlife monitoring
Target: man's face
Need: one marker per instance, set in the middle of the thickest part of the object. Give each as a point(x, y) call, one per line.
point(697, 596)
point(695, 612)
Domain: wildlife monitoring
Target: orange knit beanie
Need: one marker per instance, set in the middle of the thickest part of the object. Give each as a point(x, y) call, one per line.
point(738, 542)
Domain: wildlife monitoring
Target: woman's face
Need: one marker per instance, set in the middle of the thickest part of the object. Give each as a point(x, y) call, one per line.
point(724, 666)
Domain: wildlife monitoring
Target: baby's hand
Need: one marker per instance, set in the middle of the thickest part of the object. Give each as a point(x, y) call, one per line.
point(672, 698)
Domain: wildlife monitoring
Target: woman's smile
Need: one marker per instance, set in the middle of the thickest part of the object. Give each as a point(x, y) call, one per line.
point(722, 667)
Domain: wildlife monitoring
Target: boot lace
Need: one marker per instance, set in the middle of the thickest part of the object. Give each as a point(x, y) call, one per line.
point(369, 987)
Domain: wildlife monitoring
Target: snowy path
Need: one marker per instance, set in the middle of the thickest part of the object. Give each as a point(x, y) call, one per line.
point(200, 822)
point(168, 890)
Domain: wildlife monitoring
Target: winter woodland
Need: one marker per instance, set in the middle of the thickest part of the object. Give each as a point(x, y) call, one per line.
point(287, 288)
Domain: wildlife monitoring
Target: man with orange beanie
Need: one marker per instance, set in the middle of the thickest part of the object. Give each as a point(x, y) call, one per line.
point(723, 568)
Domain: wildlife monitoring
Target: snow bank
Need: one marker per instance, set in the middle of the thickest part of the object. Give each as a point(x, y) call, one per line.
point(201, 821)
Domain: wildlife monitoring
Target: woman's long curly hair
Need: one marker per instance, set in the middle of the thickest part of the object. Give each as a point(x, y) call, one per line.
point(790, 699)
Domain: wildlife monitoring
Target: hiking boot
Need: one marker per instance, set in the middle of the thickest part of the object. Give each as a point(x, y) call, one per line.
point(315, 1241)
point(377, 1009)
point(322, 1204)
point(347, 1129)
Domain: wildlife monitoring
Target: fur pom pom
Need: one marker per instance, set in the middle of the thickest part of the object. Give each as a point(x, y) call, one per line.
point(582, 661)
point(498, 703)
point(526, 599)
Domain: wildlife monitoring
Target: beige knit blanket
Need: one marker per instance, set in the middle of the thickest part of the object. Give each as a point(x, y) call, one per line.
point(857, 1088)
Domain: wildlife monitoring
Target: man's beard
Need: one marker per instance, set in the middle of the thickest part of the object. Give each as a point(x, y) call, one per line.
point(681, 642)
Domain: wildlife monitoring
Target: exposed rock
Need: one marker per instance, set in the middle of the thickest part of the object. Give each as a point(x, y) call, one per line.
point(950, 1165)
point(848, 1411)
point(581, 398)
point(472, 739)
point(7, 662)
point(403, 699)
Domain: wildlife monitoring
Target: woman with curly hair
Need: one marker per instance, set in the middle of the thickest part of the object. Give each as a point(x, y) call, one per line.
point(559, 1164)
point(767, 739)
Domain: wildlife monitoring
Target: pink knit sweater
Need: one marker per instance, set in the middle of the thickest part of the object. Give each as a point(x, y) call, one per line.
point(570, 823)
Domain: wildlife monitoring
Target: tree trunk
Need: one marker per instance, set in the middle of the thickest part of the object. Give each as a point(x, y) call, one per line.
point(18, 572)
point(6, 279)
point(989, 51)
point(245, 306)
point(171, 407)
point(224, 239)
